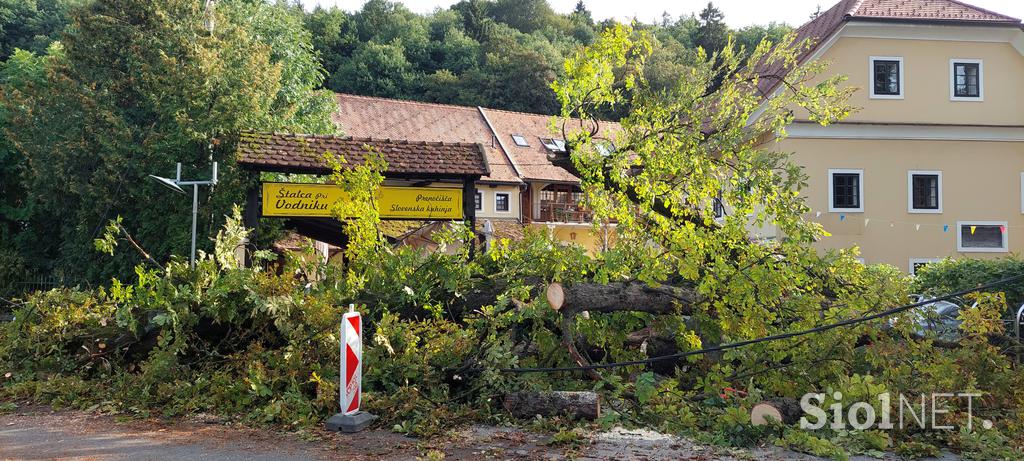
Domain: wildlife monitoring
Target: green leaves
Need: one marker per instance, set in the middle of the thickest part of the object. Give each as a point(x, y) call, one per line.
point(645, 387)
point(136, 87)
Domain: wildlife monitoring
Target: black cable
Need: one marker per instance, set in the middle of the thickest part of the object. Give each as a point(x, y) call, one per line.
point(723, 347)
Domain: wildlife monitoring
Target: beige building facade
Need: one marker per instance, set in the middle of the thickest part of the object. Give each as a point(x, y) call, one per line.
point(932, 164)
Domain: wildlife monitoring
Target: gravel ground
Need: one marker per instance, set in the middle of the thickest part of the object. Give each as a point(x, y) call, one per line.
point(38, 433)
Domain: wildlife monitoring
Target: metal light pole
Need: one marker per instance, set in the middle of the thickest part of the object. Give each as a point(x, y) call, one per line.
point(175, 185)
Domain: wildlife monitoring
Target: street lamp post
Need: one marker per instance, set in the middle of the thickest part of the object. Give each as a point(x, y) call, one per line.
point(175, 185)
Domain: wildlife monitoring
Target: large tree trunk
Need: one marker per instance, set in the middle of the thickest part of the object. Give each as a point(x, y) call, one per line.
point(783, 410)
point(578, 405)
point(592, 297)
point(613, 297)
point(621, 297)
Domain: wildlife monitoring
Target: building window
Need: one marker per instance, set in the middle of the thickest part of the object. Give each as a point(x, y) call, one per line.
point(918, 263)
point(478, 201)
point(982, 237)
point(718, 206)
point(553, 145)
point(845, 190)
point(501, 202)
point(520, 140)
point(886, 78)
point(967, 80)
point(924, 191)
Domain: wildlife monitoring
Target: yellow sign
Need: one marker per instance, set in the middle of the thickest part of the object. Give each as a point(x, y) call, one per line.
point(291, 199)
point(315, 200)
point(420, 203)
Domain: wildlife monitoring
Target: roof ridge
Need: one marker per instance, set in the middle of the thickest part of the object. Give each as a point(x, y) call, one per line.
point(406, 101)
point(853, 9)
point(365, 139)
point(473, 108)
point(517, 112)
point(616, 122)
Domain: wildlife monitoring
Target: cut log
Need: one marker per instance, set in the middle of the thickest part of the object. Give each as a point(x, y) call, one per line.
point(625, 296)
point(555, 295)
point(594, 297)
point(783, 410)
point(577, 405)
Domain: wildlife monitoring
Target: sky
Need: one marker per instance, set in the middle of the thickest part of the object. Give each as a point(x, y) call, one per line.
point(738, 13)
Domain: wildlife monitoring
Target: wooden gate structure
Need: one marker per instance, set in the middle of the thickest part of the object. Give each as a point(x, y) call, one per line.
point(426, 181)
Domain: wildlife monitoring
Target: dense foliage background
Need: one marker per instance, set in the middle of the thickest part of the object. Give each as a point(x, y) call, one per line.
point(97, 94)
point(119, 89)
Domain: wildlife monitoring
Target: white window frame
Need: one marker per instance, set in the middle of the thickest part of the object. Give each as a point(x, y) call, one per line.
point(913, 261)
point(831, 202)
point(910, 191)
point(481, 194)
point(959, 237)
point(871, 77)
point(952, 80)
point(517, 137)
point(508, 199)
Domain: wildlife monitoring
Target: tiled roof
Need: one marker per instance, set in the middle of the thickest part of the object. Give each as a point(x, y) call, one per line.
point(512, 230)
point(926, 10)
point(532, 160)
point(304, 153)
point(912, 11)
point(417, 121)
point(382, 117)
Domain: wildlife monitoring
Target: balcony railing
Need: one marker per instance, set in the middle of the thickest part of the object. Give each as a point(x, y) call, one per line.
point(564, 212)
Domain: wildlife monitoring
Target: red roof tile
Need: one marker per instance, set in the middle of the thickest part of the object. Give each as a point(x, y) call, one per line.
point(533, 160)
point(304, 153)
point(926, 10)
point(418, 121)
point(381, 117)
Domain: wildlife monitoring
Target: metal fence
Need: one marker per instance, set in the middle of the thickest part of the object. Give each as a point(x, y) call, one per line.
point(43, 283)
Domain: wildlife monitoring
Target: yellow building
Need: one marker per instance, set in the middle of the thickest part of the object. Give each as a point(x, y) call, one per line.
point(932, 165)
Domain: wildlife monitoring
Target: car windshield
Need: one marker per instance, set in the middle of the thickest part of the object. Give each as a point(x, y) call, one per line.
point(946, 309)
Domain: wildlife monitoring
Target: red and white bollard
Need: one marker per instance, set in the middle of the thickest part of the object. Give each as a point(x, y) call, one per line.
point(351, 361)
point(351, 419)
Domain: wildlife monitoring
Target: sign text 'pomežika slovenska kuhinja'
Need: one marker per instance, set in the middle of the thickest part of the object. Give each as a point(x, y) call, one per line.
point(315, 200)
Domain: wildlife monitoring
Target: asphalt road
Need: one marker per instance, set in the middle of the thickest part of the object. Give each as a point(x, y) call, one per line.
point(38, 433)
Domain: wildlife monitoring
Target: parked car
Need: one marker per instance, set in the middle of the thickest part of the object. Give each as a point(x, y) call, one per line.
point(940, 317)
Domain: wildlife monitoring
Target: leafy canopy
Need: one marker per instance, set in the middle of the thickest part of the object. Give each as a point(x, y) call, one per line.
point(140, 85)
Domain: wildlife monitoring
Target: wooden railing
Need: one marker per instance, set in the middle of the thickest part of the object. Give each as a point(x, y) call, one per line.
point(564, 212)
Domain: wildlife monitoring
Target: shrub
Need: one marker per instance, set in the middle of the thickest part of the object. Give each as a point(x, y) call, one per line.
point(950, 276)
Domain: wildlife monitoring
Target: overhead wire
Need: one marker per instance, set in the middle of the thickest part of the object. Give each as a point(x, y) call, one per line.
point(777, 337)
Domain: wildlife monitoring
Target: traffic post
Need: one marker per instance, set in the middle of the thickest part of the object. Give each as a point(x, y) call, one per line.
point(351, 418)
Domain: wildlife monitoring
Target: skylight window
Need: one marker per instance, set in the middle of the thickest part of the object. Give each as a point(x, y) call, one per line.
point(520, 140)
point(553, 145)
point(604, 148)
